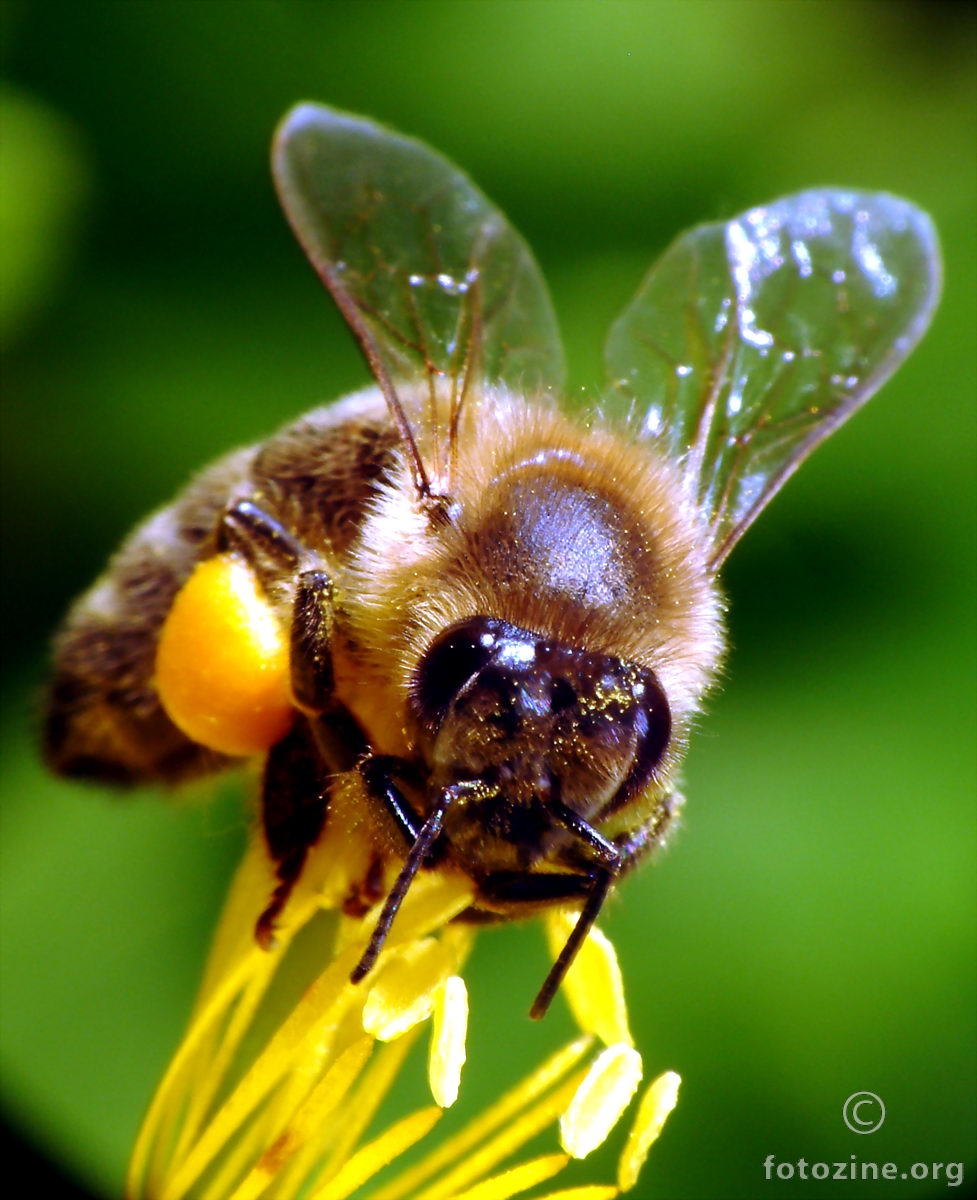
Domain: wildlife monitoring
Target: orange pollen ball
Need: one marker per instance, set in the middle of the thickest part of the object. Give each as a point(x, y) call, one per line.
point(222, 666)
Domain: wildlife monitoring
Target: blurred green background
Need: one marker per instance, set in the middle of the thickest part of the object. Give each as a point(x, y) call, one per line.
point(811, 933)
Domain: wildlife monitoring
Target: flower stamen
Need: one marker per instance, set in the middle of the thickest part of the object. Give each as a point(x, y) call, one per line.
point(657, 1102)
point(278, 1080)
point(504, 1113)
point(516, 1179)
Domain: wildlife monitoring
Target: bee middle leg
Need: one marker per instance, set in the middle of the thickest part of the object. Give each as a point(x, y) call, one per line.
point(325, 738)
point(294, 802)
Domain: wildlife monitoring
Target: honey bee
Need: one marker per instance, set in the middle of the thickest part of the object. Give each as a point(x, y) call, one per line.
point(487, 616)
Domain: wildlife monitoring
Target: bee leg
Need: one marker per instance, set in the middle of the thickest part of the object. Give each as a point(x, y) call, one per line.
point(423, 835)
point(524, 887)
point(270, 549)
point(294, 799)
point(263, 541)
point(294, 792)
point(378, 773)
point(606, 860)
point(651, 836)
point(614, 859)
point(337, 733)
point(268, 546)
point(325, 741)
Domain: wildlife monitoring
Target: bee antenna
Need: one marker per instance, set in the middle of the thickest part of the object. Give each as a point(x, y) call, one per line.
point(585, 922)
point(426, 837)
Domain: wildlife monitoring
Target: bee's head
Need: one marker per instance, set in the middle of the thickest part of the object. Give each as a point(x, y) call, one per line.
point(536, 721)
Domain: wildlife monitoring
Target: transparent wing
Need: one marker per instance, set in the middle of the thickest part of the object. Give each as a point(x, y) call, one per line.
point(750, 341)
point(436, 285)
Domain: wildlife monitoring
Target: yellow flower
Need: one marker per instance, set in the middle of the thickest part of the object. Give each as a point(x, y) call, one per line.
point(273, 1092)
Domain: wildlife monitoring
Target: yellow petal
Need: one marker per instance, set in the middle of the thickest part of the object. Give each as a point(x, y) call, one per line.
point(188, 1131)
point(600, 1100)
point(341, 1075)
point(236, 977)
point(657, 1102)
point(234, 940)
point(458, 941)
point(448, 1035)
point(593, 985)
point(403, 993)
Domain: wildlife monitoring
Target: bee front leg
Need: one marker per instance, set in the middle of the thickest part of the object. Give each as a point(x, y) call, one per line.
point(546, 888)
point(378, 775)
point(337, 733)
point(612, 859)
point(422, 834)
point(379, 772)
point(605, 861)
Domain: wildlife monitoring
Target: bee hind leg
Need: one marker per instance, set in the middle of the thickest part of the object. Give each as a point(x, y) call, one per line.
point(326, 740)
point(271, 550)
point(341, 741)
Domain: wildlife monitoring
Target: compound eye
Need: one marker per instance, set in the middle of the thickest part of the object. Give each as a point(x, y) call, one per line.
point(653, 723)
point(450, 663)
point(562, 696)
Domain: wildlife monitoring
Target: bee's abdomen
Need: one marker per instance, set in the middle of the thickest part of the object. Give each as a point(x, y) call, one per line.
point(104, 720)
